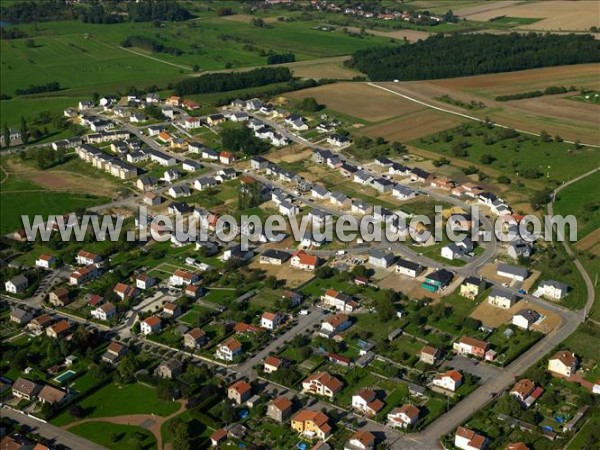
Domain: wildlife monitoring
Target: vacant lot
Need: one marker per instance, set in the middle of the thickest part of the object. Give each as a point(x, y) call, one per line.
point(114, 436)
point(581, 200)
point(292, 277)
point(492, 316)
point(412, 125)
point(360, 100)
point(556, 15)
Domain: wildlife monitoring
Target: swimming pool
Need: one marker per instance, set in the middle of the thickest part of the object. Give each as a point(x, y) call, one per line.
point(66, 375)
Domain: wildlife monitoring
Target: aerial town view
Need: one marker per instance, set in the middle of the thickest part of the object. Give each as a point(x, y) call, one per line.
point(300, 224)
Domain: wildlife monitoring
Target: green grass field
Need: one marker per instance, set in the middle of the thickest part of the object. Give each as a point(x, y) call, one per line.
point(115, 400)
point(116, 437)
point(580, 199)
point(87, 58)
point(553, 160)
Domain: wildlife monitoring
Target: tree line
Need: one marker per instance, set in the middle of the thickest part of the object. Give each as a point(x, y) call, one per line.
point(51, 86)
point(222, 82)
point(149, 44)
point(551, 90)
point(99, 13)
point(281, 58)
point(461, 55)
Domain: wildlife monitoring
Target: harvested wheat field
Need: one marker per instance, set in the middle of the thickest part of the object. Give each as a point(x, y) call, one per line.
point(409, 35)
point(555, 15)
point(323, 68)
point(413, 125)
point(590, 243)
point(360, 100)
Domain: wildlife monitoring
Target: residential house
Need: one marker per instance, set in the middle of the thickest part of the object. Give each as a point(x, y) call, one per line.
point(171, 175)
point(229, 349)
point(319, 192)
point(51, 395)
point(39, 324)
point(362, 177)
point(381, 259)
point(437, 280)
point(430, 355)
point(339, 300)
point(16, 284)
point(502, 298)
point(419, 175)
point(84, 258)
point(239, 392)
point(83, 275)
point(365, 401)
point(450, 380)
point(218, 437)
point(182, 277)
point(271, 321)
point(172, 309)
point(161, 158)
point(382, 185)
point(274, 363)
point(169, 369)
point(104, 312)
point(408, 268)
point(258, 163)
point(359, 206)
point(58, 329)
point(292, 297)
point(274, 257)
point(150, 325)
point(323, 384)
point(144, 281)
point(348, 170)
point(403, 417)
point(335, 324)
point(518, 249)
point(179, 191)
point(146, 183)
point(25, 389)
point(20, 316)
point(553, 290)
point(205, 183)
point(152, 199)
point(522, 389)
point(458, 250)
point(304, 261)
point(513, 272)
point(471, 287)
point(191, 123)
point(279, 409)
point(124, 291)
point(471, 346)
point(563, 363)
point(311, 423)
point(361, 440)
point(114, 352)
point(467, 439)
point(402, 192)
point(525, 318)
point(226, 157)
point(46, 261)
point(194, 339)
point(339, 199)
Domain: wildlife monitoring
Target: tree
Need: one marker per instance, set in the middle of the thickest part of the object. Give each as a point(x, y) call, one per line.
point(6, 135)
point(545, 136)
point(309, 104)
point(228, 414)
point(385, 308)
point(503, 179)
point(95, 97)
point(24, 131)
point(486, 158)
point(196, 68)
point(398, 147)
point(179, 434)
point(324, 272)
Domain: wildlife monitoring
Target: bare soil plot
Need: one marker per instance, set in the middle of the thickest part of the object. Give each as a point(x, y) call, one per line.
point(413, 126)
point(360, 100)
point(290, 154)
point(292, 277)
point(590, 243)
point(492, 316)
point(556, 15)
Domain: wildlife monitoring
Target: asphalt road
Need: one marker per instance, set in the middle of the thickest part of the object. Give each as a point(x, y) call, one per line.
point(58, 435)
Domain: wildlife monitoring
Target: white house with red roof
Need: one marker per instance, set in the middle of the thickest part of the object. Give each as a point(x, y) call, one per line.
point(467, 439)
point(45, 261)
point(271, 321)
point(450, 380)
point(150, 325)
point(304, 261)
point(104, 312)
point(404, 416)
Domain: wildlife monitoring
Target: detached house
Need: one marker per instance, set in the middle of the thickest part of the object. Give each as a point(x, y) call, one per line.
point(239, 392)
point(335, 324)
point(59, 329)
point(408, 268)
point(361, 440)
point(470, 346)
point(271, 321)
point(365, 401)
point(273, 364)
point(467, 439)
point(381, 259)
point(124, 291)
point(553, 290)
point(450, 380)
point(84, 258)
point(229, 349)
point(274, 257)
point(501, 298)
point(563, 363)
point(525, 318)
point(304, 261)
point(104, 312)
point(16, 284)
point(169, 369)
point(25, 389)
point(59, 297)
point(471, 287)
point(403, 417)
point(339, 300)
point(182, 277)
point(312, 423)
point(194, 338)
point(150, 325)
point(45, 261)
point(323, 384)
point(430, 355)
point(279, 409)
point(114, 352)
point(20, 316)
point(512, 272)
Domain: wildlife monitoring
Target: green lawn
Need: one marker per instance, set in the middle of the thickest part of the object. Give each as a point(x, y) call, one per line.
point(552, 160)
point(581, 200)
point(116, 437)
point(116, 400)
